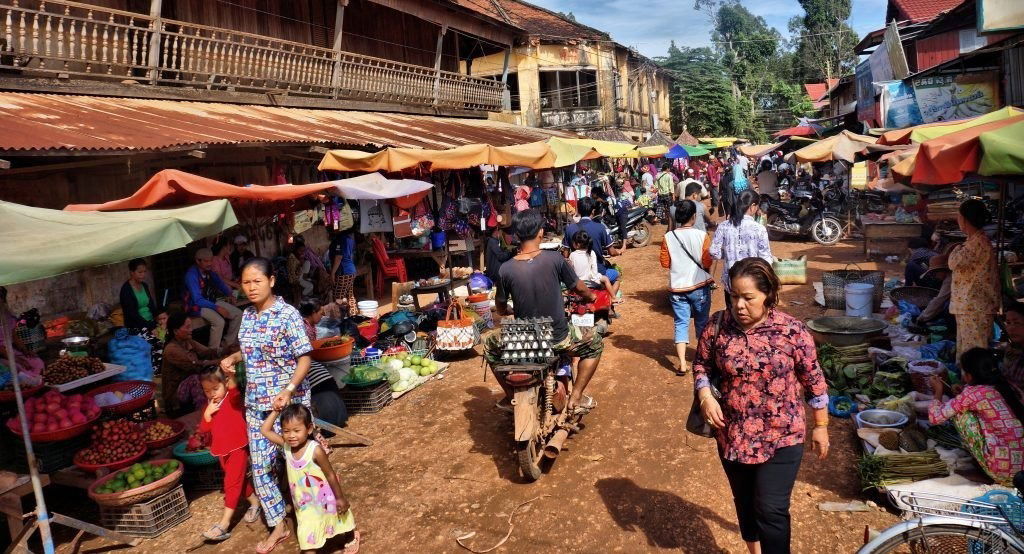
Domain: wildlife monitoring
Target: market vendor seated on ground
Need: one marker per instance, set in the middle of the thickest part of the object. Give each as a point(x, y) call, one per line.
point(202, 288)
point(1012, 366)
point(602, 242)
point(917, 263)
point(533, 281)
point(183, 360)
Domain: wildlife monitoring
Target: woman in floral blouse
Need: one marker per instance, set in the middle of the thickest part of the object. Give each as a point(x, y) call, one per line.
point(767, 365)
point(974, 299)
point(276, 350)
point(986, 413)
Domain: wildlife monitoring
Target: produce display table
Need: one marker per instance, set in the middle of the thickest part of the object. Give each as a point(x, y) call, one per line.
point(888, 237)
point(440, 290)
point(13, 487)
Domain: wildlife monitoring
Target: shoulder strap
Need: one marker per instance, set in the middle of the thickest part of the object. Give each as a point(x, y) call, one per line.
point(687, 252)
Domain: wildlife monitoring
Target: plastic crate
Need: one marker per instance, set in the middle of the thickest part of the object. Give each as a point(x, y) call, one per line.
point(203, 478)
point(356, 360)
point(366, 400)
point(50, 456)
point(148, 519)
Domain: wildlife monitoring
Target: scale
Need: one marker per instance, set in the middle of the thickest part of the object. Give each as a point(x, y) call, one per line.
point(76, 347)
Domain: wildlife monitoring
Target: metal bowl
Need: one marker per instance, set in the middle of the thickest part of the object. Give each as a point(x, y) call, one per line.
point(844, 330)
point(75, 341)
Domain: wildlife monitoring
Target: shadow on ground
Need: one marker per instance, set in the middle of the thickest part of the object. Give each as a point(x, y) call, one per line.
point(666, 520)
point(491, 431)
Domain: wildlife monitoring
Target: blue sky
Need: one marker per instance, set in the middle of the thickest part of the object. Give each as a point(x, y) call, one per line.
point(651, 24)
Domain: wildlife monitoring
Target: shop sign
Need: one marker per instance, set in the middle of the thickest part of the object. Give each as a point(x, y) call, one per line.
point(865, 93)
point(899, 106)
point(952, 97)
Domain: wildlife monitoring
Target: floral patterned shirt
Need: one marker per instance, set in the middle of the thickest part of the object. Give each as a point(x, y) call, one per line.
point(271, 342)
point(732, 244)
point(1002, 433)
point(765, 373)
point(975, 286)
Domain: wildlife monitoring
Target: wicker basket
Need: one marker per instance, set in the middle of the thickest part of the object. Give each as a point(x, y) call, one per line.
point(141, 393)
point(112, 466)
point(148, 519)
point(918, 296)
point(138, 494)
point(53, 436)
point(176, 426)
point(7, 396)
point(201, 458)
point(834, 284)
point(921, 372)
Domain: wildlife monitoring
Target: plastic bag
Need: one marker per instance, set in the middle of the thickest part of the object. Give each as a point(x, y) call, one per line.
point(942, 350)
point(906, 308)
point(134, 353)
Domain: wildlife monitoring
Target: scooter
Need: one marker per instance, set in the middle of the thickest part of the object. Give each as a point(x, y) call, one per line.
point(541, 383)
point(806, 216)
point(638, 229)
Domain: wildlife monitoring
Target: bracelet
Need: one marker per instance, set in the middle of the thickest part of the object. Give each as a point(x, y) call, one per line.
point(290, 387)
point(818, 424)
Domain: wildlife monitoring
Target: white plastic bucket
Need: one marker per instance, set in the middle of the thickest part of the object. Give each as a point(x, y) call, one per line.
point(367, 308)
point(860, 298)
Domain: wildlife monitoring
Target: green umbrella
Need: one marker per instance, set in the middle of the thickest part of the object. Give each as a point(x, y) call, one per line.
point(696, 151)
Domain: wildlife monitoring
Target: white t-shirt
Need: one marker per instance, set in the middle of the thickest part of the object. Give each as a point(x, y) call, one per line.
point(648, 180)
point(584, 263)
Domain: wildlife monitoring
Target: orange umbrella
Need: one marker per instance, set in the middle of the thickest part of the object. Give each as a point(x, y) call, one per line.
point(172, 187)
point(935, 130)
point(949, 158)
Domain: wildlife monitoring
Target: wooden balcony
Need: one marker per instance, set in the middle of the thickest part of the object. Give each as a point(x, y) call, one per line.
point(57, 38)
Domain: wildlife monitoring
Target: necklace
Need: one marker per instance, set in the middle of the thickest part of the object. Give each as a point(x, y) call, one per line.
point(530, 252)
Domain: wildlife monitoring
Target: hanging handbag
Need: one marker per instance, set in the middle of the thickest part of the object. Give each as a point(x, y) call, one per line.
point(455, 331)
point(695, 422)
point(345, 219)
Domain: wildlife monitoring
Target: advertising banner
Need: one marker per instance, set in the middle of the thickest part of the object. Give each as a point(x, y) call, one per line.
point(952, 97)
point(899, 106)
point(865, 93)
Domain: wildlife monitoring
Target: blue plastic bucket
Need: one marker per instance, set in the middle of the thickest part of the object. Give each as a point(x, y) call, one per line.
point(437, 239)
point(859, 299)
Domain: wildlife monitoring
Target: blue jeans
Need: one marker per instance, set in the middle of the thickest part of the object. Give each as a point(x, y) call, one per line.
point(695, 304)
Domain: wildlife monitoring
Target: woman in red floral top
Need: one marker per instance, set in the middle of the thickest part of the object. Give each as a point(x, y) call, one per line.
point(767, 365)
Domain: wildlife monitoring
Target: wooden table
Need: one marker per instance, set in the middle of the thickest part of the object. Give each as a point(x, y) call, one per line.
point(888, 237)
point(440, 290)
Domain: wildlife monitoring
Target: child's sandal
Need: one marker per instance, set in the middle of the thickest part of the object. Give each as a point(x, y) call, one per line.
point(223, 536)
point(252, 515)
point(352, 547)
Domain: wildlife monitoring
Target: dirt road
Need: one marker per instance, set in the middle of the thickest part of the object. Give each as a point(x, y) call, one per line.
point(633, 481)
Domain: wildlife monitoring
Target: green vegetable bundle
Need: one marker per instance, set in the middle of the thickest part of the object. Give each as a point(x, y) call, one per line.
point(895, 469)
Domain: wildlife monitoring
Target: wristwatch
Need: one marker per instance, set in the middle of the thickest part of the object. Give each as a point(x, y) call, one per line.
point(290, 387)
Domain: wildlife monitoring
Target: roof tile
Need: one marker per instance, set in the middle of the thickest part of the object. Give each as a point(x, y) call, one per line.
point(924, 10)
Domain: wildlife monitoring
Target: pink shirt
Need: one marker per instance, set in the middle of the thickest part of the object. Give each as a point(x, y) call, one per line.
point(222, 268)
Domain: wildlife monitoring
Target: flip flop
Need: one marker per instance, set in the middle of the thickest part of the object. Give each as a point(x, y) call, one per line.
point(223, 536)
point(352, 547)
point(252, 515)
point(281, 539)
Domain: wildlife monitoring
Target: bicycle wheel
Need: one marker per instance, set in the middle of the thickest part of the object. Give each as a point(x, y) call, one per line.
point(943, 538)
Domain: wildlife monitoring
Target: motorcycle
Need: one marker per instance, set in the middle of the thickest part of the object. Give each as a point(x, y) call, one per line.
point(541, 383)
point(805, 216)
point(638, 228)
point(595, 314)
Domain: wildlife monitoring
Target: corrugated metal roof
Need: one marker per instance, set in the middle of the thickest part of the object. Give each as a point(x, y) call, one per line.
point(49, 122)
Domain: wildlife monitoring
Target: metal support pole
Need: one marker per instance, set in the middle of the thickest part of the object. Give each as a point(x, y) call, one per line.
point(42, 515)
point(506, 95)
point(339, 26)
point(155, 9)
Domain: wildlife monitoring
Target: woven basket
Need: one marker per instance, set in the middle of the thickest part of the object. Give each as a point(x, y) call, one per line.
point(176, 426)
point(138, 494)
point(834, 284)
point(141, 393)
point(918, 296)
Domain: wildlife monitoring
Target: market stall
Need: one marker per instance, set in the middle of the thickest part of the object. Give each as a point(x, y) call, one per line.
point(56, 425)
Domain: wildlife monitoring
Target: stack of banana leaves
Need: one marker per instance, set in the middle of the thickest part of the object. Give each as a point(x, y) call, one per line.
point(849, 371)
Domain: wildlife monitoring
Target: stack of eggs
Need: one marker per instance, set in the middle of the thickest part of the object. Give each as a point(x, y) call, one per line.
point(527, 341)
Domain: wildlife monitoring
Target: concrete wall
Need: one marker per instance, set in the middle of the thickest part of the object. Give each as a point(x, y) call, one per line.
point(622, 89)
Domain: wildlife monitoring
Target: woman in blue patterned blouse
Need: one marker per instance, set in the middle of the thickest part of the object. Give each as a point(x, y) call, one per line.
point(275, 350)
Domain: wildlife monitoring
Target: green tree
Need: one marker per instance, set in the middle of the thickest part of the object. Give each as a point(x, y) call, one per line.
point(824, 41)
point(701, 92)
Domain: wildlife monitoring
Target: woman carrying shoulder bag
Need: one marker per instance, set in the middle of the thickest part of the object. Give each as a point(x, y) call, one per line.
point(685, 253)
point(767, 365)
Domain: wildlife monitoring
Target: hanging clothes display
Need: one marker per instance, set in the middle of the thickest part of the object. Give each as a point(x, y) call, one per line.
point(375, 217)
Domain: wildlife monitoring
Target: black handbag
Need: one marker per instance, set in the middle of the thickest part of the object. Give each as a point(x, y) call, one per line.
point(695, 422)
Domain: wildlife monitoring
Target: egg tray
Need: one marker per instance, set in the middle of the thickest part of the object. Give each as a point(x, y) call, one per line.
point(527, 341)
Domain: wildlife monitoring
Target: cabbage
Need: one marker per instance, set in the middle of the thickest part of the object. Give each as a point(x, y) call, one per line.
point(395, 364)
point(400, 386)
point(407, 374)
point(393, 375)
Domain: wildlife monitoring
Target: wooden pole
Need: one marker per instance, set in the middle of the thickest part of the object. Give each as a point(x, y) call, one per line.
point(437, 62)
point(506, 95)
point(339, 25)
point(155, 10)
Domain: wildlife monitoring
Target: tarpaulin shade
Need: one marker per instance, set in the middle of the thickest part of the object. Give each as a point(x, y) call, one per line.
point(921, 133)
point(679, 151)
point(171, 187)
point(799, 131)
point(374, 186)
point(656, 151)
point(36, 243)
point(949, 158)
point(606, 148)
point(843, 146)
point(535, 155)
point(719, 142)
point(758, 150)
point(1003, 151)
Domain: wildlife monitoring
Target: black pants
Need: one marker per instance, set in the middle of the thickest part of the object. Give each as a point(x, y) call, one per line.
point(761, 493)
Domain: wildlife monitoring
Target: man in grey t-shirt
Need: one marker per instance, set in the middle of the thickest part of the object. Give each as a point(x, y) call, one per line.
point(693, 191)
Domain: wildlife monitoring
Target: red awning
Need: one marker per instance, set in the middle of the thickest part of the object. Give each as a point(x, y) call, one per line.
point(800, 131)
point(171, 187)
